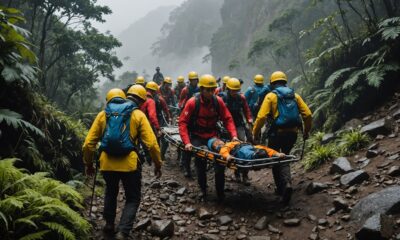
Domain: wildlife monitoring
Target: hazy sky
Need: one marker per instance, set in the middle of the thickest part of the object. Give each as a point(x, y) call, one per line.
point(125, 12)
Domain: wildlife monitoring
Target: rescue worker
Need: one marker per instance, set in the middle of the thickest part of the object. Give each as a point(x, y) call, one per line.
point(179, 86)
point(162, 111)
point(282, 108)
point(168, 93)
point(255, 94)
point(190, 90)
point(149, 108)
point(223, 87)
point(121, 166)
point(158, 76)
point(197, 124)
point(141, 81)
point(237, 105)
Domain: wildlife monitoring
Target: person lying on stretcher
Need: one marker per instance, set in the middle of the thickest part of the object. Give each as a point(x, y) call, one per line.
point(241, 150)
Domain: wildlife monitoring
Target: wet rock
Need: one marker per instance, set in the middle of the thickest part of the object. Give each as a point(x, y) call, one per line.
point(314, 187)
point(180, 191)
point(384, 164)
point(313, 236)
point(293, 222)
point(142, 224)
point(340, 165)
point(225, 220)
point(377, 227)
point(364, 163)
point(261, 223)
point(371, 153)
point(386, 201)
point(373, 146)
point(352, 178)
point(172, 183)
point(396, 115)
point(394, 157)
point(340, 204)
point(164, 196)
point(323, 222)
point(162, 228)
point(329, 137)
point(204, 214)
point(189, 210)
point(353, 124)
point(259, 238)
point(273, 229)
point(394, 171)
point(155, 185)
point(172, 197)
point(381, 126)
point(208, 236)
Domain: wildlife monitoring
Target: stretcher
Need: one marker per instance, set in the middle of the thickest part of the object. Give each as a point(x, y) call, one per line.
point(171, 134)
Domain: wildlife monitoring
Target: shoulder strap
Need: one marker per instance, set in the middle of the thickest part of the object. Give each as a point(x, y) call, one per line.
point(196, 107)
point(216, 103)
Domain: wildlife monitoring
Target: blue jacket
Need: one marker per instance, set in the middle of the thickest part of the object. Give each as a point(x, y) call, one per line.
point(254, 97)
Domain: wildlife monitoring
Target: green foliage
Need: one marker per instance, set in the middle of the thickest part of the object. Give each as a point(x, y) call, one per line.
point(14, 120)
point(352, 141)
point(319, 155)
point(37, 207)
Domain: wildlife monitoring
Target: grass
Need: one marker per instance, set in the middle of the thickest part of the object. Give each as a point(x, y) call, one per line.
point(319, 155)
point(352, 141)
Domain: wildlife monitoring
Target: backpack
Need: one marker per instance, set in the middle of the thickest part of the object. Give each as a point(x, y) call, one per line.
point(195, 114)
point(116, 139)
point(289, 115)
point(235, 107)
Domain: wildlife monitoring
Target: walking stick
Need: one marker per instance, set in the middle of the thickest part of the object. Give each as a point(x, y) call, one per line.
point(93, 188)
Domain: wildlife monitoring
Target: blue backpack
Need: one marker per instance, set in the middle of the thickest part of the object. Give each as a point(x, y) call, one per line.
point(116, 139)
point(289, 115)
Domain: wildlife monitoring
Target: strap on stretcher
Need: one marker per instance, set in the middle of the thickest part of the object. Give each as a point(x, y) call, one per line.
point(234, 163)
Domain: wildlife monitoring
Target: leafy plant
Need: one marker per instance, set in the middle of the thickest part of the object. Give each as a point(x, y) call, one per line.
point(353, 140)
point(319, 155)
point(14, 120)
point(37, 207)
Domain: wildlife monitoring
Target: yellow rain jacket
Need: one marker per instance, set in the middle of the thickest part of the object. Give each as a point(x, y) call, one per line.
point(269, 107)
point(139, 127)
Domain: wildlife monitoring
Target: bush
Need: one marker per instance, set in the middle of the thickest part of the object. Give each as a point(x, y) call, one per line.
point(319, 155)
point(352, 141)
point(37, 207)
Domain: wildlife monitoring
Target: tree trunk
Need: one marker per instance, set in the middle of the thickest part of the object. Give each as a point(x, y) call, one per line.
point(389, 8)
point(345, 23)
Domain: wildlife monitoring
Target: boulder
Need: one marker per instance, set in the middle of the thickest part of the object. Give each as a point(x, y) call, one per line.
point(225, 220)
point(261, 223)
point(314, 187)
point(381, 126)
point(377, 227)
point(329, 137)
point(162, 228)
point(352, 178)
point(386, 201)
point(341, 165)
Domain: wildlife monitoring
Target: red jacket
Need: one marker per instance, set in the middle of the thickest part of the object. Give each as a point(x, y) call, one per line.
point(149, 108)
point(206, 120)
point(164, 107)
point(168, 95)
point(182, 98)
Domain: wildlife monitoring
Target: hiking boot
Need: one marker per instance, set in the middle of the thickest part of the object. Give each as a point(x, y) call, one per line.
point(187, 174)
point(220, 198)
point(287, 194)
point(108, 228)
point(121, 236)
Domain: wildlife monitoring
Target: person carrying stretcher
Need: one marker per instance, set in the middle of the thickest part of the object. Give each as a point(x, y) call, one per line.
point(237, 149)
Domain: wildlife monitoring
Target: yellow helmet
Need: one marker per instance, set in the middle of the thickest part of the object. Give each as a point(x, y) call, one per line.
point(140, 80)
point(225, 79)
point(181, 79)
point(278, 76)
point(193, 75)
point(114, 93)
point(207, 81)
point(259, 79)
point(152, 85)
point(137, 90)
point(168, 80)
point(233, 84)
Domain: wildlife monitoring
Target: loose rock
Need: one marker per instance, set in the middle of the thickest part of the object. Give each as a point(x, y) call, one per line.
point(143, 224)
point(208, 236)
point(261, 223)
point(204, 214)
point(292, 222)
point(352, 178)
point(162, 228)
point(394, 171)
point(340, 204)
point(377, 227)
point(314, 187)
point(381, 126)
point(371, 153)
point(225, 220)
point(341, 165)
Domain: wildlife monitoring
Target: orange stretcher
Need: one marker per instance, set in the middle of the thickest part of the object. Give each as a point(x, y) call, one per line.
point(171, 134)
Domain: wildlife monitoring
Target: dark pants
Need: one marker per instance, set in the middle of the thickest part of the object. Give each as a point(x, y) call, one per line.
point(201, 168)
point(241, 132)
point(162, 142)
point(282, 142)
point(132, 186)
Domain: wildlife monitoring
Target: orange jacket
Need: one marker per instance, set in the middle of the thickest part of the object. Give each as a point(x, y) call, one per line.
point(227, 148)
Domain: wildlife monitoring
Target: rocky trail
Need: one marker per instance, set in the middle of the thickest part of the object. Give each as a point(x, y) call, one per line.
point(357, 195)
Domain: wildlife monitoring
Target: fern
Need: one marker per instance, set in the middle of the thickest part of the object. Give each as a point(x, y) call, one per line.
point(35, 236)
point(390, 28)
point(336, 75)
point(13, 119)
point(60, 229)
